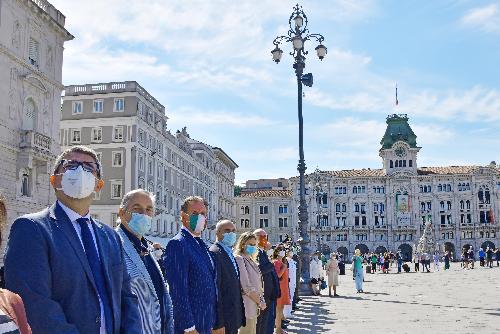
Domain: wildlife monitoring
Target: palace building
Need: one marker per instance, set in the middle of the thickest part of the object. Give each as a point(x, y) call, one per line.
point(386, 209)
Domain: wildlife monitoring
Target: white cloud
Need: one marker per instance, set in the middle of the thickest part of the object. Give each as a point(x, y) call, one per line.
point(190, 115)
point(485, 18)
point(432, 135)
point(272, 154)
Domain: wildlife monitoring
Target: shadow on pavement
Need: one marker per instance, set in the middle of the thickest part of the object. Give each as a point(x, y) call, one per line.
point(313, 317)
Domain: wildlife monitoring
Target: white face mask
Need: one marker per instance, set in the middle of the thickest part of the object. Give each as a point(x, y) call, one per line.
point(77, 183)
point(158, 253)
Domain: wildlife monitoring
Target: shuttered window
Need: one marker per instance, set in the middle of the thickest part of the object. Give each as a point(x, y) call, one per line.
point(34, 52)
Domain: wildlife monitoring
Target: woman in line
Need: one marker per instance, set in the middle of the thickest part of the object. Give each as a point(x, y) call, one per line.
point(357, 267)
point(281, 268)
point(252, 286)
point(332, 270)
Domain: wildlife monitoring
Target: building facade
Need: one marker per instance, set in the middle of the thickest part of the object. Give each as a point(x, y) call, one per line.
point(271, 210)
point(386, 209)
point(32, 37)
point(128, 128)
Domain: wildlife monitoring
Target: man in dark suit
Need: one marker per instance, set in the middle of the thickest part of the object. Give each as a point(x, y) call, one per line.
point(67, 267)
point(230, 309)
point(266, 319)
point(191, 273)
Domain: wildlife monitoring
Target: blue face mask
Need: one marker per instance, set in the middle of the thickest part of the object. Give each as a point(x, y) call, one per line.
point(140, 224)
point(251, 250)
point(229, 239)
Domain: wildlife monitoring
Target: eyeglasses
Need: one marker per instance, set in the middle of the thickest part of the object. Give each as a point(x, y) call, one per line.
point(88, 166)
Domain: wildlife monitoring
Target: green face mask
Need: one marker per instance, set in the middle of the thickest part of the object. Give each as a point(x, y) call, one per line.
point(196, 223)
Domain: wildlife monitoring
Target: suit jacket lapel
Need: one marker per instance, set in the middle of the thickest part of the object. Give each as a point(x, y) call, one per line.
point(61, 220)
point(136, 260)
point(202, 251)
point(228, 258)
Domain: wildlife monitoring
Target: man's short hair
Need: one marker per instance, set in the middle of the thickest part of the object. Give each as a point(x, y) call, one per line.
point(78, 149)
point(190, 199)
point(128, 196)
point(220, 223)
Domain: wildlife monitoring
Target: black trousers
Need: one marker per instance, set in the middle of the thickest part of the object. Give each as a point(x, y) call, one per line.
point(264, 319)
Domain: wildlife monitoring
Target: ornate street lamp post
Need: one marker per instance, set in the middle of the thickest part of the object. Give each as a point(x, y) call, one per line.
point(298, 35)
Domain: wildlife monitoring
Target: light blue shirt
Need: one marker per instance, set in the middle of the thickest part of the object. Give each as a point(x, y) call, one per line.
point(231, 256)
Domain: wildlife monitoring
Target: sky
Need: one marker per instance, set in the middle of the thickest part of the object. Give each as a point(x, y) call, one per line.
point(209, 64)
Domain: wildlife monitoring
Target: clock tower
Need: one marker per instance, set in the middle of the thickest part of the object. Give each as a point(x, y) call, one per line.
point(399, 146)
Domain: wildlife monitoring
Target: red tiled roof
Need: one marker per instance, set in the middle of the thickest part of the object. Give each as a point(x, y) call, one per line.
point(365, 172)
point(268, 193)
point(447, 170)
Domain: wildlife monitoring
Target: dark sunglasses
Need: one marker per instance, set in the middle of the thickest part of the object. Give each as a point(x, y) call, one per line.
point(91, 167)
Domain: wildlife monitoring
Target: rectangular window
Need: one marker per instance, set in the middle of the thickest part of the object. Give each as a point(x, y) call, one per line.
point(119, 105)
point(98, 104)
point(117, 157)
point(114, 219)
point(118, 133)
point(96, 135)
point(141, 162)
point(99, 157)
point(97, 195)
point(116, 189)
point(34, 52)
point(76, 107)
point(76, 136)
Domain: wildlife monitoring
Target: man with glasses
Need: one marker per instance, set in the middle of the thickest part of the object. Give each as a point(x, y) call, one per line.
point(191, 273)
point(146, 278)
point(67, 267)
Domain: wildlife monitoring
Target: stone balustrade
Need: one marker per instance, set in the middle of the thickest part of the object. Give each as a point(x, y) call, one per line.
point(34, 140)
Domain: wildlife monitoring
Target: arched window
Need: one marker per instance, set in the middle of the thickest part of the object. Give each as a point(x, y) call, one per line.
point(467, 204)
point(354, 190)
point(242, 210)
point(337, 207)
point(448, 187)
point(29, 115)
point(247, 210)
point(344, 207)
point(462, 206)
point(440, 187)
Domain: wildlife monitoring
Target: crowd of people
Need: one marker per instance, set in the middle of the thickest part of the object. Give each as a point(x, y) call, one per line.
point(65, 272)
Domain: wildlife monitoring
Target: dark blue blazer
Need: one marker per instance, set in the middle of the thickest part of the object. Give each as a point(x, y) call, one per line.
point(191, 279)
point(272, 289)
point(46, 265)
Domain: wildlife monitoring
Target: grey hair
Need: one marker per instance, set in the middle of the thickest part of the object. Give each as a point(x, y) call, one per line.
point(128, 196)
point(78, 149)
point(220, 223)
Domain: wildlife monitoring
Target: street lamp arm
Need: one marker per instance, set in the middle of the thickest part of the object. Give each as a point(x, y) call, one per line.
point(318, 37)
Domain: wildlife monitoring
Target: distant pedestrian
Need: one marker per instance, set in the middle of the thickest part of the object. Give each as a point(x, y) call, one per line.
point(399, 259)
point(416, 261)
point(332, 271)
point(447, 259)
point(315, 270)
point(357, 268)
point(481, 257)
point(489, 257)
point(497, 256)
point(436, 262)
point(374, 263)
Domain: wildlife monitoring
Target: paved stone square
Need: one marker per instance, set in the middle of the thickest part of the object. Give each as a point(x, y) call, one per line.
point(455, 301)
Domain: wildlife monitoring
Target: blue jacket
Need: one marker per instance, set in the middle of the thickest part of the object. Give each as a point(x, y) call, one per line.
point(46, 265)
point(142, 285)
point(191, 277)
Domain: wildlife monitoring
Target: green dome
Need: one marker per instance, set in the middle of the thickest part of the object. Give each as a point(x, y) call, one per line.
point(398, 129)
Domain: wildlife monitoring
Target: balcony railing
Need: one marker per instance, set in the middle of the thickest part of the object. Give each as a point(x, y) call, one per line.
point(34, 140)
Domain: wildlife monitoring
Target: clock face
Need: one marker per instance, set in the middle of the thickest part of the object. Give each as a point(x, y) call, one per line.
point(400, 151)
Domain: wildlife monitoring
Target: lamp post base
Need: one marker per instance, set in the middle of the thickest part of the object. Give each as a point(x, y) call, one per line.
point(305, 289)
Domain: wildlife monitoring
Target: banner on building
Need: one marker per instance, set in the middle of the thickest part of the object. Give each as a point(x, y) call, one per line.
point(403, 216)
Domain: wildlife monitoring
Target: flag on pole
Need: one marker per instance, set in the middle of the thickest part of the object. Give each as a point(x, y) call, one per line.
point(492, 219)
point(397, 102)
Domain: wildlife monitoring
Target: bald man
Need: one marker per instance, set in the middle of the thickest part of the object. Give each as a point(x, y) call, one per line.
point(230, 309)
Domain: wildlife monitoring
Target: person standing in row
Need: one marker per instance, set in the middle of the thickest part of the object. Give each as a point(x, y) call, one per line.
point(191, 272)
point(489, 257)
point(72, 277)
point(357, 267)
point(447, 259)
point(252, 286)
point(230, 309)
point(292, 277)
point(265, 322)
point(281, 268)
point(146, 277)
point(332, 271)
